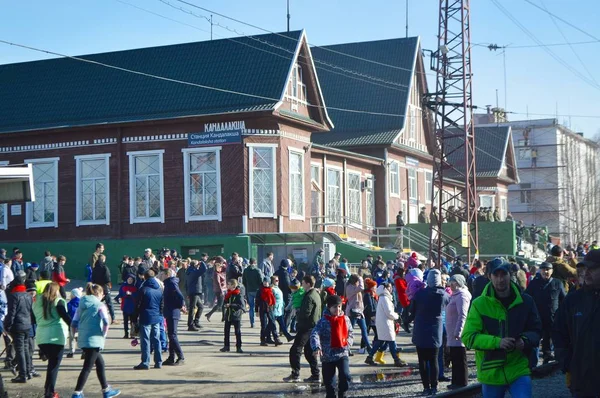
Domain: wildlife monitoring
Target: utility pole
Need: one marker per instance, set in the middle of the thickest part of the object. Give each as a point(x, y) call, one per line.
point(288, 15)
point(495, 47)
point(407, 18)
point(453, 106)
point(211, 27)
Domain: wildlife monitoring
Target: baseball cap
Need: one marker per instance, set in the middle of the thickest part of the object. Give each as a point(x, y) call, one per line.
point(592, 259)
point(498, 264)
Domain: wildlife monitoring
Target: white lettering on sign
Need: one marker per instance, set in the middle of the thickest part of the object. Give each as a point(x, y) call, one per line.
point(235, 125)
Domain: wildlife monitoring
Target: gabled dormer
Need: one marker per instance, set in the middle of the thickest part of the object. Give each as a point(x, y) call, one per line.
point(302, 99)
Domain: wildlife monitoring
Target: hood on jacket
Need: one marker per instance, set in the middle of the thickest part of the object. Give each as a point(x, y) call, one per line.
point(88, 301)
point(172, 281)
point(381, 290)
point(152, 283)
point(130, 276)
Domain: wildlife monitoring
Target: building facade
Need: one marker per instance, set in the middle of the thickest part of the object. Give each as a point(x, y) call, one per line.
point(558, 186)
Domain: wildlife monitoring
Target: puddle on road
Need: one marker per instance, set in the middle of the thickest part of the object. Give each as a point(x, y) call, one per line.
point(382, 376)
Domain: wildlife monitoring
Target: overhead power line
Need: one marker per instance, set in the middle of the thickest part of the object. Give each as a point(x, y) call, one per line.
point(549, 51)
point(563, 20)
point(177, 81)
point(223, 90)
point(289, 38)
point(266, 42)
point(513, 47)
point(251, 46)
point(570, 46)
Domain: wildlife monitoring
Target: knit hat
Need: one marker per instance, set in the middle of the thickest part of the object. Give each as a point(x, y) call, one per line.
point(266, 279)
point(34, 265)
point(30, 285)
point(434, 278)
point(77, 292)
point(414, 255)
point(459, 279)
point(370, 283)
point(328, 282)
point(333, 300)
point(416, 272)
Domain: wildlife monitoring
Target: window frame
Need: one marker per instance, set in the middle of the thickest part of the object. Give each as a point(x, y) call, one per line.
point(251, 212)
point(4, 225)
point(132, 204)
point(29, 223)
point(360, 217)
point(78, 186)
point(525, 194)
point(397, 179)
point(412, 191)
point(187, 152)
point(428, 186)
point(340, 172)
point(298, 152)
point(493, 206)
point(370, 192)
point(412, 129)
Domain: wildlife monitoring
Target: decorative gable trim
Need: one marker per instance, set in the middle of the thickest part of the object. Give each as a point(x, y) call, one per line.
point(58, 145)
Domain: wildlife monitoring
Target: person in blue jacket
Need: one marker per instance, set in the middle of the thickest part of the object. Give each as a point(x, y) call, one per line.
point(149, 306)
point(174, 302)
point(426, 310)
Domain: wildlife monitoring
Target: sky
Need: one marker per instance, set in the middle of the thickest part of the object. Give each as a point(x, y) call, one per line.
point(536, 82)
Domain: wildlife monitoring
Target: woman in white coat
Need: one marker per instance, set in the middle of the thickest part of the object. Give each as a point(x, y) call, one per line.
point(385, 321)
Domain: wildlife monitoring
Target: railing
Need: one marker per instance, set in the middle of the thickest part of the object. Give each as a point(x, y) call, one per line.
point(390, 237)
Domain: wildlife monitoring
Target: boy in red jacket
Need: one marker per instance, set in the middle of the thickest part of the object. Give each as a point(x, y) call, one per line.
point(265, 301)
point(403, 301)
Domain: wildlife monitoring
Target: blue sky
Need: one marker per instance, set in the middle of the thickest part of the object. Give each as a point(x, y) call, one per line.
point(536, 81)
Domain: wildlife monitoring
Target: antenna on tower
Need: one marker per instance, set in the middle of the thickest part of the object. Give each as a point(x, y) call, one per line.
point(288, 15)
point(407, 18)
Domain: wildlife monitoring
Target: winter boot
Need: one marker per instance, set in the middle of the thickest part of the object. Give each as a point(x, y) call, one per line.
point(379, 357)
point(399, 363)
point(369, 361)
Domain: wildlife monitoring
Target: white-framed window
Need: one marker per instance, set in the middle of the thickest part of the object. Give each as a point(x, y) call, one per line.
point(334, 195)
point(146, 187)
point(354, 199)
point(296, 90)
point(370, 192)
point(4, 206)
point(315, 191)
point(487, 201)
point(394, 178)
point(428, 186)
point(315, 174)
point(503, 207)
point(525, 197)
point(44, 211)
point(524, 151)
point(263, 182)
point(92, 187)
point(412, 184)
point(296, 183)
point(202, 183)
point(412, 132)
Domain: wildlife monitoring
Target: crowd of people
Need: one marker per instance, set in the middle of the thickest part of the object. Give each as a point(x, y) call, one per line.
point(501, 309)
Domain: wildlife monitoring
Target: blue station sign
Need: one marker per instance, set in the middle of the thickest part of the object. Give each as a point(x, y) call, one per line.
point(210, 138)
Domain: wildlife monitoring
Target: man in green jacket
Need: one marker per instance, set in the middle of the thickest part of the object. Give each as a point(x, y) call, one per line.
point(306, 318)
point(503, 327)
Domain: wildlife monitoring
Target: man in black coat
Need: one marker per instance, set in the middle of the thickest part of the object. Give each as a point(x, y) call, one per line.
point(547, 293)
point(575, 330)
point(193, 278)
point(101, 276)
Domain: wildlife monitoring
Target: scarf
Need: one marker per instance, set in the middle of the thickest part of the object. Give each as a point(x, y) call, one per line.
point(339, 331)
point(230, 293)
point(19, 289)
point(267, 296)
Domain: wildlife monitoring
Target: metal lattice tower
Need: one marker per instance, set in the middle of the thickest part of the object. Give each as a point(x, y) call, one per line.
point(454, 128)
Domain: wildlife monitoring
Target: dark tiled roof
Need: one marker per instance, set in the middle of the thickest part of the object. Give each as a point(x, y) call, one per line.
point(363, 93)
point(65, 92)
point(491, 144)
